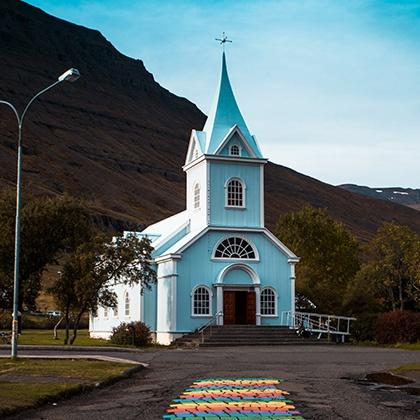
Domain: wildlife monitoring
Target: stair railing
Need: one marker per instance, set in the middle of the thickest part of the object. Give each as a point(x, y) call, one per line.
point(318, 323)
point(209, 324)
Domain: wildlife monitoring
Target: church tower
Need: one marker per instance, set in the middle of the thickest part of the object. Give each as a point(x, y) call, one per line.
point(225, 167)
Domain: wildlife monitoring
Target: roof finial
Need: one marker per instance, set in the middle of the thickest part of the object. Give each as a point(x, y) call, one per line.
point(223, 40)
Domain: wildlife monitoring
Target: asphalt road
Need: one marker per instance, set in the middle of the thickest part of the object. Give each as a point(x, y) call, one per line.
point(322, 381)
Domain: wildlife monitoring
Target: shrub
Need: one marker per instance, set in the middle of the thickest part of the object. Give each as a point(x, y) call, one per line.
point(134, 333)
point(398, 327)
point(363, 329)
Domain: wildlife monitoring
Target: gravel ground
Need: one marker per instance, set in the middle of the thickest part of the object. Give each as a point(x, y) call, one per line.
point(322, 380)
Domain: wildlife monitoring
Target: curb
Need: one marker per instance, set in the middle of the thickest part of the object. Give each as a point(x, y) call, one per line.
point(74, 348)
point(77, 390)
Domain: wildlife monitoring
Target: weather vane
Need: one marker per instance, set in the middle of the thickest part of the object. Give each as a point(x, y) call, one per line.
point(223, 40)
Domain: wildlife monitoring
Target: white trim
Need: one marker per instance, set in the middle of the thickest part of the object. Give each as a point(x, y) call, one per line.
point(194, 186)
point(193, 144)
point(117, 315)
point(242, 182)
point(242, 159)
point(276, 303)
point(292, 288)
point(208, 188)
point(229, 135)
point(210, 292)
point(125, 295)
point(214, 258)
point(292, 258)
point(262, 209)
point(236, 266)
point(239, 150)
point(166, 257)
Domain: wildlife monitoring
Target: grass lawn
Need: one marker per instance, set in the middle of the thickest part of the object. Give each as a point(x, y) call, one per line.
point(28, 382)
point(404, 346)
point(45, 338)
point(407, 368)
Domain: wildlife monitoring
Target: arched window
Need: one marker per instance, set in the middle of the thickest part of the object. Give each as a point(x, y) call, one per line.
point(126, 304)
point(197, 196)
point(268, 302)
point(235, 150)
point(116, 311)
point(201, 301)
point(235, 247)
point(106, 312)
point(235, 193)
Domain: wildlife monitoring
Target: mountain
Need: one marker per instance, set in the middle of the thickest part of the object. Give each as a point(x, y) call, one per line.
point(119, 139)
point(406, 196)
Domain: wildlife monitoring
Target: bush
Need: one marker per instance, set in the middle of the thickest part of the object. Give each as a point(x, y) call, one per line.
point(363, 329)
point(398, 327)
point(134, 333)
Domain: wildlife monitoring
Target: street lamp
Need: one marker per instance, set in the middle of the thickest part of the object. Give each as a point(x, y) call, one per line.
point(70, 76)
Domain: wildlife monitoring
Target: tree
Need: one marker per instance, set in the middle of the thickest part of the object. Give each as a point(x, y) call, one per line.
point(90, 274)
point(49, 226)
point(329, 256)
point(392, 273)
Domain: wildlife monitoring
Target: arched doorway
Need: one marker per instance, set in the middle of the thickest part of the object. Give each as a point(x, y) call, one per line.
point(238, 295)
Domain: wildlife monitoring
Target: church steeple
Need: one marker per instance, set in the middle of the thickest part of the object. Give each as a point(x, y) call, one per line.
point(225, 116)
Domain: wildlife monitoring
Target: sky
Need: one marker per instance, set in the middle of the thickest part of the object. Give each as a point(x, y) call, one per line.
point(330, 88)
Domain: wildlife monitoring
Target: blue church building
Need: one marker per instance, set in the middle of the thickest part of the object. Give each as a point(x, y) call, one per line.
point(215, 260)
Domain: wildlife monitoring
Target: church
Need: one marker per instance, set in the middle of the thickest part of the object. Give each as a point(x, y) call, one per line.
point(215, 261)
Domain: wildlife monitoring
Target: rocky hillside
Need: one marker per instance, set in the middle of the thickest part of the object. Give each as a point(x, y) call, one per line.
point(118, 139)
point(406, 196)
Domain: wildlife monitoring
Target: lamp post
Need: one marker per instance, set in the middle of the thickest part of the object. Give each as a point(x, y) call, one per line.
point(69, 76)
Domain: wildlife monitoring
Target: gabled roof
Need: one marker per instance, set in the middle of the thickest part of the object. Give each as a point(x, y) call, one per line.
point(224, 115)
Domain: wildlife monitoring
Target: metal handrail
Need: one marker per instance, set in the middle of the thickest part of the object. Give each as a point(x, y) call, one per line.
point(319, 323)
point(209, 324)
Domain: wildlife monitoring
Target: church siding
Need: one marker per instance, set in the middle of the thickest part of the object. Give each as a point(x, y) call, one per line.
point(220, 215)
point(196, 267)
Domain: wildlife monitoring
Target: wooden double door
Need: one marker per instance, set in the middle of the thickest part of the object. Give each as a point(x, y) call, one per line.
point(239, 307)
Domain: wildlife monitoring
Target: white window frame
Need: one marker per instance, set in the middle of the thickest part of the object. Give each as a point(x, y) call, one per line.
point(106, 312)
point(116, 310)
point(229, 206)
point(257, 256)
point(210, 292)
point(127, 295)
point(239, 150)
point(275, 315)
point(195, 186)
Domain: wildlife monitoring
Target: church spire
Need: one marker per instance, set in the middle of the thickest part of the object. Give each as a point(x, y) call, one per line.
point(225, 115)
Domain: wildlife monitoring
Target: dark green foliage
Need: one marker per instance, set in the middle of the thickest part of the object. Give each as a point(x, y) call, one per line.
point(392, 273)
point(398, 327)
point(134, 333)
point(49, 226)
point(329, 256)
point(363, 329)
point(91, 272)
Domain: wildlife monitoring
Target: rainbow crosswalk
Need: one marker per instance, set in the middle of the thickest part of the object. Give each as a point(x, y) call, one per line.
point(238, 398)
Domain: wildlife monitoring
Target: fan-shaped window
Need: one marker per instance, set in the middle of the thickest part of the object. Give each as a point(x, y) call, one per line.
point(268, 302)
point(201, 303)
point(235, 193)
point(235, 150)
point(235, 247)
point(197, 196)
point(126, 304)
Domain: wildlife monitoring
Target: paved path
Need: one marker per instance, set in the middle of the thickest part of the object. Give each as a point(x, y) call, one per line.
point(321, 380)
